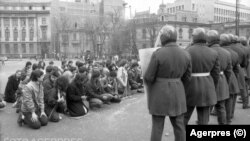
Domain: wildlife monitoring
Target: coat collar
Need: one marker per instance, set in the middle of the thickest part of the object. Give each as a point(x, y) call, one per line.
point(215, 45)
point(171, 44)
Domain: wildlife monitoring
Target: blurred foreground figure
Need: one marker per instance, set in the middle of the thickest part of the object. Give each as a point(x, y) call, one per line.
point(169, 68)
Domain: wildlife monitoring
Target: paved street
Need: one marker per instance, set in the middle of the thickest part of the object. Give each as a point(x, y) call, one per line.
point(127, 121)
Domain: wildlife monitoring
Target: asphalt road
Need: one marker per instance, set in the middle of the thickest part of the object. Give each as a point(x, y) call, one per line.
point(126, 121)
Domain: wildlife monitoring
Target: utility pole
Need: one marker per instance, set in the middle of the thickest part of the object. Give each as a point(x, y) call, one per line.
point(237, 19)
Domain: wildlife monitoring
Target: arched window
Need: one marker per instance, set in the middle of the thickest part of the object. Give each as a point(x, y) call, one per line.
point(31, 34)
point(190, 31)
point(180, 33)
point(15, 34)
point(23, 34)
point(144, 33)
point(7, 34)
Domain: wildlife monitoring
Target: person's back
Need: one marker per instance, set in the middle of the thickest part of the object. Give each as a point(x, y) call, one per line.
point(168, 69)
point(204, 60)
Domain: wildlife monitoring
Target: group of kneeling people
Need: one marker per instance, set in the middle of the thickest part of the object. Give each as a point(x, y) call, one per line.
point(70, 90)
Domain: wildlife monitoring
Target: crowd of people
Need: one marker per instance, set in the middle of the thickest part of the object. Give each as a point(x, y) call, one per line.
point(43, 93)
point(208, 75)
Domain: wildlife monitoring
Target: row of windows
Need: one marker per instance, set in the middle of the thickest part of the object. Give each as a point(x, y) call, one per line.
point(23, 8)
point(183, 19)
point(174, 9)
point(223, 19)
point(230, 12)
point(15, 34)
point(6, 22)
point(15, 49)
point(180, 31)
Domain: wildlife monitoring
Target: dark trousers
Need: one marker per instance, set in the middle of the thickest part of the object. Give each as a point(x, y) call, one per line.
point(42, 121)
point(53, 112)
point(158, 126)
point(234, 98)
point(221, 112)
point(244, 96)
point(230, 106)
point(202, 112)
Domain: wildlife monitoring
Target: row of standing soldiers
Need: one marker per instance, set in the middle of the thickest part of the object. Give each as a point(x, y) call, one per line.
point(211, 72)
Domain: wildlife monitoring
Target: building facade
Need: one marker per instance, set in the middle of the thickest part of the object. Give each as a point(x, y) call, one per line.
point(24, 28)
point(208, 11)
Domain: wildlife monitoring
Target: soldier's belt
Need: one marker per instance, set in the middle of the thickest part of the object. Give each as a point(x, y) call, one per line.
point(200, 74)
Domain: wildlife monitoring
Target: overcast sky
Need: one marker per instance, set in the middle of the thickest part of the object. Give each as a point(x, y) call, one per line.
point(142, 5)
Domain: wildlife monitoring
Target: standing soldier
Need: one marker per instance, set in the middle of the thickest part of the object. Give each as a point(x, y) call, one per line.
point(200, 91)
point(169, 68)
point(222, 88)
point(242, 64)
point(233, 83)
point(243, 41)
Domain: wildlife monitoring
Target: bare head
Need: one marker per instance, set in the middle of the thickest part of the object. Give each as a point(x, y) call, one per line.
point(235, 39)
point(213, 37)
point(168, 34)
point(199, 35)
point(243, 40)
point(224, 39)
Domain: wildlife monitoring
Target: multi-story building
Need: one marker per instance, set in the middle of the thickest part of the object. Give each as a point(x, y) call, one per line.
point(31, 27)
point(208, 11)
point(74, 41)
point(24, 28)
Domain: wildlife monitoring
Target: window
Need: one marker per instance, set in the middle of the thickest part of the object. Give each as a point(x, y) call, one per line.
point(193, 6)
point(74, 36)
point(65, 38)
point(6, 22)
point(144, 46)
point(15, 34)
point(44, 33)
point(162, 18)
point(31, 46)
point(15, 48)
point(184, 19)
point(7, 34)
point(144, 32)
point(23, 48)
point(190, 31)
point(7, 48)
point(22, 8)
point(43, 20)
point(14, 8)
point(174, 9)
point(15, 22)
point(31, 22)
point(179, 7)
point(23, 34)
point(168, 10)
point(30, 7)
point(0, 49)
point(182, 7)
point(195, 20)
point(23, 22)
point(62, 9)
point(180, 33)
point(31, 34)
point(43, 7)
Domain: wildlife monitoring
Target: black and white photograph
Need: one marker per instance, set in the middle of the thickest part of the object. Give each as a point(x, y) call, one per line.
point(124, 70)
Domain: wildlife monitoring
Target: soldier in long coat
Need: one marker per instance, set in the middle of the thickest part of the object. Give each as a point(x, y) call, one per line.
point(222, 88)
point(200, 92)
point(233, 82)
point(243, 42)
point(169, 68)
point(242, 64)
